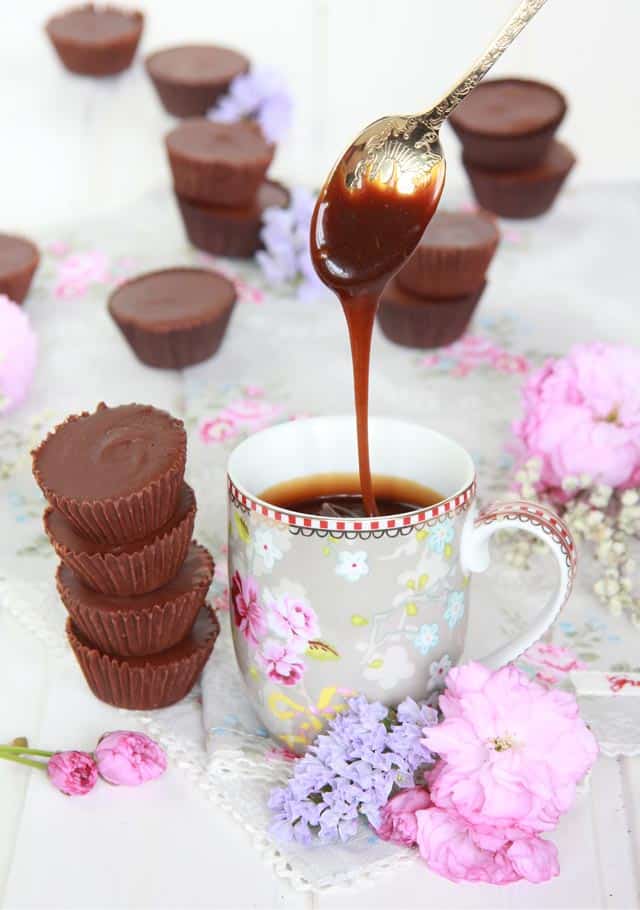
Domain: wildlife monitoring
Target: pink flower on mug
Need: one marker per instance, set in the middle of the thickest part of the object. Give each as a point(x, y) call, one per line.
point(453, 848)
point(79, 270)
point(399, 824)
point(554, 662)
point(217, 429)
point(73, 773)
point(582, 416)
point(293, 619)
point(129, 759)
point(512, 752)
point(248, 614)
point(281, 664)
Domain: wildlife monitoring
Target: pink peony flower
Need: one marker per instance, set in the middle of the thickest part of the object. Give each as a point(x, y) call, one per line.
point(18, 354)
point(280, 664)
point(554, 662)
point(399, 823)
point(452, 848)
point(73, 773)
point(248, 614)
point(293, 619)
point(77, 271)
point(512, 751)
point(129, 759)
point(582, 416)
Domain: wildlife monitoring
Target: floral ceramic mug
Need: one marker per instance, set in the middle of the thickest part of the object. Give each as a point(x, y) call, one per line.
point(322, 608)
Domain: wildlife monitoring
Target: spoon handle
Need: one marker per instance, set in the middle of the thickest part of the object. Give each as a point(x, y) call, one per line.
point(509, 32)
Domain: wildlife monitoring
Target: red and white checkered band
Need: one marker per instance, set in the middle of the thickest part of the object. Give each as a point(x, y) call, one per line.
point(447, 508)
point(524, 513)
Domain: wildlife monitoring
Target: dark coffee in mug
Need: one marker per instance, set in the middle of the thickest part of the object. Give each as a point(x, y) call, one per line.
point(338, 495)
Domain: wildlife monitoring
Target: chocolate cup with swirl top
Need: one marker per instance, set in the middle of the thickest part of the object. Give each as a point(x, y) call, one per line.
point(116, 473)
point(143, 625)
point(154, 681)
point(128, 569)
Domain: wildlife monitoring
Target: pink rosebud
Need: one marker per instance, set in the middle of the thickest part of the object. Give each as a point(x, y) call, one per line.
point(399, 824)
point(129, 759)
point(73, 773)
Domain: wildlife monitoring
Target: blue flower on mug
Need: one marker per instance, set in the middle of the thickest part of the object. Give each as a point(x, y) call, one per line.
point(352, 565)
point(426, 638)
point(455, 608)
point(441, 535)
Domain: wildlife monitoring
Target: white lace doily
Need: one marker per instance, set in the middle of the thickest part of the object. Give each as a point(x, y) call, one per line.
point(83, 359)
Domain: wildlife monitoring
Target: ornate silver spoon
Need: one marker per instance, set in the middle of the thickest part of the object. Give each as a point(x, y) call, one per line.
point(401, 151)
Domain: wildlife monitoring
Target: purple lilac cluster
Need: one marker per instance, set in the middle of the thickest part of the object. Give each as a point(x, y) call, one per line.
point(286, 258)
point(351, 770)
point(261, 94)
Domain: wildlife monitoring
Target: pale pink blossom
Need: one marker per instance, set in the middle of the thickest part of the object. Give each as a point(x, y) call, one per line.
point(251, 412)
point(512, 752)
point(554, 662)
point(473, 351)
point(73, 773)
point(293, 619)
point(79, 270)
point(248, 614)
point(217, 429)
point(582, 416)
point(254, 391)
point(281, 664)
point(58, 247)
point(398, 819)
point(18, 354)
point(128, 759)
point(454, 849)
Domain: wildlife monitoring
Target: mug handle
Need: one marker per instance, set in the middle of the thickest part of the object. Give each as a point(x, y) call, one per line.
point(542, 523)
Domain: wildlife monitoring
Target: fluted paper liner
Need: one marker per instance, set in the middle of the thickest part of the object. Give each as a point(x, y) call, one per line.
point(124, 518)
point(418, 323)
point(129, 574)
point(138, 632)
point(135, 684)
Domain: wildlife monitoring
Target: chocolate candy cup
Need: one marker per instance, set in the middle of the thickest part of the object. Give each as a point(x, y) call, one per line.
point(95, 41)
point(508, 124)
point(226, 231)
point(190, 79)
point(174, 318)
point(139, 626)
point(418, 323)
point(452, 258)
point(144, 683)
point(129, 569)
point(218, 163)
point(523, 194)
point(115, 474)
point(19, 260)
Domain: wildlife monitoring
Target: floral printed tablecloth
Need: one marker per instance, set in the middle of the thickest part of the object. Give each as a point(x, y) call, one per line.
point(565, 278)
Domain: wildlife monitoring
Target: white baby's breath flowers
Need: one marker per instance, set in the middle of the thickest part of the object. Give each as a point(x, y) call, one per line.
point(606, 520)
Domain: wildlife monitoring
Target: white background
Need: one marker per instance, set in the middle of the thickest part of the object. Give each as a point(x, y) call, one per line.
point(70, 144)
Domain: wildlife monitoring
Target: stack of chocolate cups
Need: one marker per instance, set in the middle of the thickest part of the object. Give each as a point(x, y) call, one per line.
point(120, 518)
point(507, 129)
point(221, 186)
point(433, 297)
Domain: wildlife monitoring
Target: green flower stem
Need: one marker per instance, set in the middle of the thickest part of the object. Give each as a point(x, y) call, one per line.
point(20, 750)
point(24, 761)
